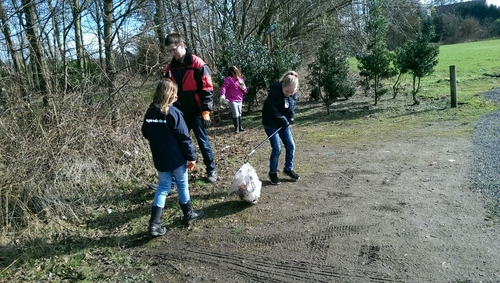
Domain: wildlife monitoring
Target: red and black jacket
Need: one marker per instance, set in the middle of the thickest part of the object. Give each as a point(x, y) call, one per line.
point(195, 84)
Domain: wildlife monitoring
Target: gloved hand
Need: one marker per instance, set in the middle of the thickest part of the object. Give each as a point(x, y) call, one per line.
point(243, 86)
point(291, 121)
point(190, 165)
point(224, 100)
point(205, 115)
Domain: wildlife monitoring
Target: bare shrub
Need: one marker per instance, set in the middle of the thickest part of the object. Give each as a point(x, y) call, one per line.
point(57, 160)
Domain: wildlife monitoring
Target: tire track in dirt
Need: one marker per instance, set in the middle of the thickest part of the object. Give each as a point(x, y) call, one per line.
point(313, 246)
point(311, 253)
point(302, 236)
point(259, 269)
point(331, 213)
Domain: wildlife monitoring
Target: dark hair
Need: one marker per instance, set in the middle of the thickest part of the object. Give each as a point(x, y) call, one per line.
point(175, 38)
point(234, 72)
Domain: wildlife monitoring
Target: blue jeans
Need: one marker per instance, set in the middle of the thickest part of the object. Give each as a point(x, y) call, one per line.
point(165, 184)
point(196, 124)
point(285, 134)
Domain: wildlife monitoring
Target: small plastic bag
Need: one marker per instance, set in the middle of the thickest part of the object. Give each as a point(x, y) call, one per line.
point(246, 184)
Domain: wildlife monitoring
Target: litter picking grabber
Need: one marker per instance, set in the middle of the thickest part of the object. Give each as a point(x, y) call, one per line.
point(246, 182)
point(260, 144)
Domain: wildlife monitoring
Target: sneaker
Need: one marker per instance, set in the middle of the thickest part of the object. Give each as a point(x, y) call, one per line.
point(156, 230)
point(274, 178)
point(291, 173)
point(212, 177)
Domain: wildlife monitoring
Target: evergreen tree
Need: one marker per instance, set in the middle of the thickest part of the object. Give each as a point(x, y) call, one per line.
point(259, 65)
point(330, 72)
point(375, 62)
point(418, 58)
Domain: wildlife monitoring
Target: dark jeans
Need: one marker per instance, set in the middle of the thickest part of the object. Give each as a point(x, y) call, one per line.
point(195, 123)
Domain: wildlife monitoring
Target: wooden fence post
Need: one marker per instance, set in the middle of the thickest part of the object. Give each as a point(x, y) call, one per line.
point(453, 86)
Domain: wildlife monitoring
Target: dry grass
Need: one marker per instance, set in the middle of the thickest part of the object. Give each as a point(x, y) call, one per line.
point(59, 159)
point(62, 165)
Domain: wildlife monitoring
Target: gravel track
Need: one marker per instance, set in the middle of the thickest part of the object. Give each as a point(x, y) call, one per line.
point(486, 173)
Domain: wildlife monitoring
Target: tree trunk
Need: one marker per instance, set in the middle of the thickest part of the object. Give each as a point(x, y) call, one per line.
point(415, 90)
point(98, 20)
point(183, 20)
point(36, 51)
point(58, 19)
point(266, 20)
point(245, 6)
point(108, 51)
point(192, 32)
point(159, 21)
point(80, 52)
point(396, 85)
point(375, 89)
point(18, 63)
point(173, 15)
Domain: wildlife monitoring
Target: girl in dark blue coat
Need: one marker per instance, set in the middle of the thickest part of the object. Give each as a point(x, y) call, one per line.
point(278, 114)
point(173, 153)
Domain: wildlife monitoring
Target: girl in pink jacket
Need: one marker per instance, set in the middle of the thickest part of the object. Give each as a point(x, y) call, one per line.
point(231, 92)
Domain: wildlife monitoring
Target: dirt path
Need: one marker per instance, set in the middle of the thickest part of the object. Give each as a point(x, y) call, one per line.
point(399, 211)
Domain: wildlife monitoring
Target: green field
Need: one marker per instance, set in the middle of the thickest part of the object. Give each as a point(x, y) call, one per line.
point(348, 124)
point(472, 61)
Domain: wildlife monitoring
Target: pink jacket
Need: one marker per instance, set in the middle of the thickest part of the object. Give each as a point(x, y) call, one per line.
point(233, 89)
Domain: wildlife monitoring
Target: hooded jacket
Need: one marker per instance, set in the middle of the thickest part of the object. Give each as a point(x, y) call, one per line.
point(233, 89)
point(195, 84)
point(168, 136)
point(278, 110)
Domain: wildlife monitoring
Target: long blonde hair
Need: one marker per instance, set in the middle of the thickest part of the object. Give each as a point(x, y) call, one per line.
point(290, 78)
point(165, 95)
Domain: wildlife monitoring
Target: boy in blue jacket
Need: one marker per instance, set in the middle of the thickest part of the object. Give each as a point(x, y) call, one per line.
point(173, 153)
point(278, 114)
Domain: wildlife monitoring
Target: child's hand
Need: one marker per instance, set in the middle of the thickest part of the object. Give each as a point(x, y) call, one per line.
point(190, 165)
point(224, 100)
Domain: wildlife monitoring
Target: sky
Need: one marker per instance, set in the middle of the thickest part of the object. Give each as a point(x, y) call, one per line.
point(488, 2)
point(494, 2)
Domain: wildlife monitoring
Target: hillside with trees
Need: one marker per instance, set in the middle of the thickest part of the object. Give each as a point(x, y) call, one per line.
point(465, 21)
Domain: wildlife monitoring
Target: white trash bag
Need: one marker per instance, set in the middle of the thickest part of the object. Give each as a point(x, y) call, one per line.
point(246, 184)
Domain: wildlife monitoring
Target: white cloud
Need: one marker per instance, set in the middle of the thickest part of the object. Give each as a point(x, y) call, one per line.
point(493, 2)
